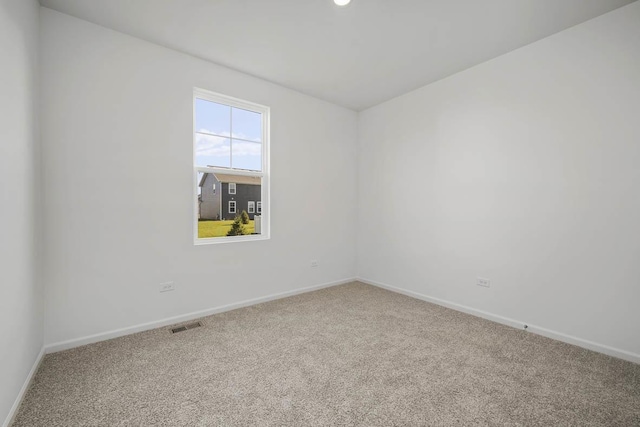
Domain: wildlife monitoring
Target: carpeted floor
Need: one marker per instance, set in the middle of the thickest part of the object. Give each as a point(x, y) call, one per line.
point(347, 355)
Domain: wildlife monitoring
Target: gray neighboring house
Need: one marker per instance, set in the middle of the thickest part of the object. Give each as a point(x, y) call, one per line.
point(224, 196)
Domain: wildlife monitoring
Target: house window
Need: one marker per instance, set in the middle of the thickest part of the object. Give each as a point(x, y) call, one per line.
point(231, 147)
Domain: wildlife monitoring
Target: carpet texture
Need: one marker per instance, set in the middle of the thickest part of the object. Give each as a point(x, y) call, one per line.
point(347, 355)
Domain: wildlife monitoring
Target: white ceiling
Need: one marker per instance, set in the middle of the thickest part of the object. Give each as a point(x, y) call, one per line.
point(356, 56)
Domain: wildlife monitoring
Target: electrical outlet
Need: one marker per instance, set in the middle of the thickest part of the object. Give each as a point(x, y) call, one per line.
point(168, 286)
point(483, 282)
point(314, 263)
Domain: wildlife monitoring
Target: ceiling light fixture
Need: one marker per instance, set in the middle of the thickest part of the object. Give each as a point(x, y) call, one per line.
point(341, 2)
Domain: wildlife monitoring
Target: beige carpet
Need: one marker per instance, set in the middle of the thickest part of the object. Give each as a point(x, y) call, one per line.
point(348, 355)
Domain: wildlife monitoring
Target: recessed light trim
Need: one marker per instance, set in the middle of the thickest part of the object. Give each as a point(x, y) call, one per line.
point(342, 2)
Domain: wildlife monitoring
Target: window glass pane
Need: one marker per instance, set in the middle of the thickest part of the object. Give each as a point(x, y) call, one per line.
point(247, 125)
point(216, 213)
point(246, 155)
point(199, 184)
point(213, 151)
point(213, 118)
point(206, 194)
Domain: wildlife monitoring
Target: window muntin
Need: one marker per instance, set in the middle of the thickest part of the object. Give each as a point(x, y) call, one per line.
point(227, 136)
point(231, 137)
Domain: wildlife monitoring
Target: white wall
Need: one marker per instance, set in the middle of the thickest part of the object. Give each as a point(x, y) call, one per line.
point(117, 138)
point(21, 307)
point(523, 170)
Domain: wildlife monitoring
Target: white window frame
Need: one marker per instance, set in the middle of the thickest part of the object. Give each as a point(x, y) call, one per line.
point(232, 185)
point(235, 205)
point(264, 174)
point(259, 207)
point(251, 207)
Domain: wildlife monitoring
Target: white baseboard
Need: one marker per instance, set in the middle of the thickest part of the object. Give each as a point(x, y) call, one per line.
point(77, 342)
point(23, 390)
point(559, 336)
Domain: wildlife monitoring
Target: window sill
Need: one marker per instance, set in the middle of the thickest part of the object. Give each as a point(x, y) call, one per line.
point(230, 239)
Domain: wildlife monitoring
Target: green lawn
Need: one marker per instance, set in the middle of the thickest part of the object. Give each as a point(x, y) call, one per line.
point(219, 228)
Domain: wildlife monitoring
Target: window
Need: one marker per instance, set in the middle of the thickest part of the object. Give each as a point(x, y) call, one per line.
point(230, 147)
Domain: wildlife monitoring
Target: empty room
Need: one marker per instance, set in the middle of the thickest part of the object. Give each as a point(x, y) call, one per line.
point(320, 213)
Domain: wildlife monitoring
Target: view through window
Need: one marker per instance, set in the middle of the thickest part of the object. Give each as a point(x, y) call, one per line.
point(230, 168)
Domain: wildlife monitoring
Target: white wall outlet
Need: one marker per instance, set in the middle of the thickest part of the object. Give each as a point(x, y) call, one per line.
point(314, 263)
point(483, 282)
point(168, 286)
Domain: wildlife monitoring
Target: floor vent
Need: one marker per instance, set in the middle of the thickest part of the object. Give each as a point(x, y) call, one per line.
point(185, 327)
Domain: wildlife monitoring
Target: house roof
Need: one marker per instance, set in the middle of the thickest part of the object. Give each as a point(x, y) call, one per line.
point(238, 179)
